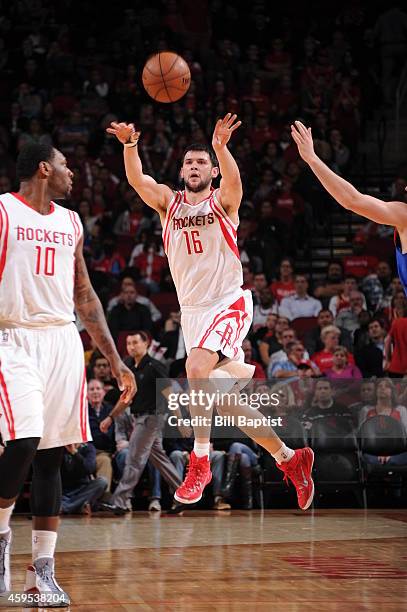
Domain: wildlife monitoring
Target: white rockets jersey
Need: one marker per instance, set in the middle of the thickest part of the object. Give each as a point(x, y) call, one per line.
point(37, 263)
point(201, 246)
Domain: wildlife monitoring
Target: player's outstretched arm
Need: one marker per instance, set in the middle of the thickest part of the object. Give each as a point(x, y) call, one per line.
point(155, 195)
point(388, 213)
point(90, 311)
point(230, 185)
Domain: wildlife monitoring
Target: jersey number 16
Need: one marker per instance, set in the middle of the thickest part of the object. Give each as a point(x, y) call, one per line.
point(194, 245)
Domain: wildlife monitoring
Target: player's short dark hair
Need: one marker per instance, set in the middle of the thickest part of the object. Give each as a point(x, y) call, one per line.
point(198, 146)
point(29, 158)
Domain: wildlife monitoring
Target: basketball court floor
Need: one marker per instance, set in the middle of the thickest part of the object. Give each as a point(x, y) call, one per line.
point(324, 560)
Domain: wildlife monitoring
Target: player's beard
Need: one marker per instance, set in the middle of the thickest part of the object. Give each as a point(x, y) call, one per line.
point(203, 184)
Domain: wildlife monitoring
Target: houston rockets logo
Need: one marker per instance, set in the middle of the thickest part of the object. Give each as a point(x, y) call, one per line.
point(226, 335)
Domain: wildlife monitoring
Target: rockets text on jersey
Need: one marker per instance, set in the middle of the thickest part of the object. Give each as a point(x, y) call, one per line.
point(37, 263)
point(200, 241)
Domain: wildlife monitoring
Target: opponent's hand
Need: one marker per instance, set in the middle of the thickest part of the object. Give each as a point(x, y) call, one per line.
point(303, 139)
point(224, 129)
point(124, 132)
point(126, 380)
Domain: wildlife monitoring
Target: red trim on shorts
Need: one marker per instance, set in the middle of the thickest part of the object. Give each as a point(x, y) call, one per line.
point(217, 320)
point(7, 407)
point(3, 253)
point(82, 415)
point(225, 232)
point(24, 201)
point(240, 306)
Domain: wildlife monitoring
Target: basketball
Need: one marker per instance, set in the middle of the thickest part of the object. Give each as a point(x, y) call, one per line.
point(166, 77)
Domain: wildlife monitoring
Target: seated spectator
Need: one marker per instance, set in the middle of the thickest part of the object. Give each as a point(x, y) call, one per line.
point(259, 284)
point(351, 319)
point(376, 285)
point(312, 338)
point(172, 337)
point(386, 404)
point(111, 261)
point(296, 366)
point(300, 304)
point(127, 280)
point(285, 286)
point(242, 460)
point(398, 305)
point(80, 491)
point(341, 368)
point(341, 301)
point(271, 341)
point(333, 283)
point(129, 314)
point(99, 368)
point(395, 350)
point(367, 397)
point(150, 264)
point(104, 442)
point(369, 358)
point(287, 337)
point(323, 405)
point(330, 339)
point(358, 264)
point(248, 357)
point(264, 308)
point(132, 222)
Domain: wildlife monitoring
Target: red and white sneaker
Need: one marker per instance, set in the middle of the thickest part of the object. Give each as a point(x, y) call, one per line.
point(40, 581)
point(299, 471)
point(198, 476)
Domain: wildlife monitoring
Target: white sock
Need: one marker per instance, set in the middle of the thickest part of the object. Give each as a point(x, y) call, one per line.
point(5, 514)
point(43, 543)
point(201, 450)
point(283, 454)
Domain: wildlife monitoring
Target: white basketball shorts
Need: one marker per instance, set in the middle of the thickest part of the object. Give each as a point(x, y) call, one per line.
point(43, 386)
point(221, 326)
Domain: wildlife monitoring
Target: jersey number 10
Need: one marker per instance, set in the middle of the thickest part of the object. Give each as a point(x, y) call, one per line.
point(45, 261)
point(194, 245)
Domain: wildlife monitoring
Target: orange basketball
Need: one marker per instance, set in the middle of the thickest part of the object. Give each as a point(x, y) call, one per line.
point(166, 77)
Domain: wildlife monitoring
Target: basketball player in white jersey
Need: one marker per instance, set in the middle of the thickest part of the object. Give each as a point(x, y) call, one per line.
point(43, 406)
point(199, 235)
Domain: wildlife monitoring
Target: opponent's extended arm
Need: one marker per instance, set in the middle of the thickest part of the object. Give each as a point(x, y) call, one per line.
point(155, 195)
point(90, 311)
point(230, 190)
point(388, 213)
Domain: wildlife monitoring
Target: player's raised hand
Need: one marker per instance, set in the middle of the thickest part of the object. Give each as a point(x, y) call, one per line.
point(126, 380)
point(224, 129)
point(303, 139)
point(124, 132)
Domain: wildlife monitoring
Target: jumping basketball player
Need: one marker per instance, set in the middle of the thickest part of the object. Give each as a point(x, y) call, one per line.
point(387, 213)
point(199, 235)
point(43, 407)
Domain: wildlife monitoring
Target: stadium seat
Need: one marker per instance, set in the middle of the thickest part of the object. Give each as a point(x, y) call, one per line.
point(166, 302)
point(337, 466)
point(302, 325)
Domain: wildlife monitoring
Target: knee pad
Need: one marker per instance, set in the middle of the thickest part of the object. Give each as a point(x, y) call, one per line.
point(46, 488)
point(15, 463)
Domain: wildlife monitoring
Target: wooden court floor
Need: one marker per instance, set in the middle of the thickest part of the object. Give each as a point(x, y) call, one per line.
point(288, 561)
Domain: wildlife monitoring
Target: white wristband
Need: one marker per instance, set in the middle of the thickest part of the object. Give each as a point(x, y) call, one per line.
point(130, 144)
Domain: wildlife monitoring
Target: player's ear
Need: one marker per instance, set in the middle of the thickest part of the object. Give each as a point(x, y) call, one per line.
point(215, 171)
point(44, 169)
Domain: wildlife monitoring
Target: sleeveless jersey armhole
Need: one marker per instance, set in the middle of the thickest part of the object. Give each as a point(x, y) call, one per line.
point(222, 211)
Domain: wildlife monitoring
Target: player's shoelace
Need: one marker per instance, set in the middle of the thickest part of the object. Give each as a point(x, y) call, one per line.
point(195, 476)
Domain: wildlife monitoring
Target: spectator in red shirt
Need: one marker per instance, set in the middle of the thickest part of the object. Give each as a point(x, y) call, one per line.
point(150, 265)
point(359, 264)
point(396, 348)
point(330, 338)
point(342, 301)
point(285, 286)
point(248, 357)
point(288, 203)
